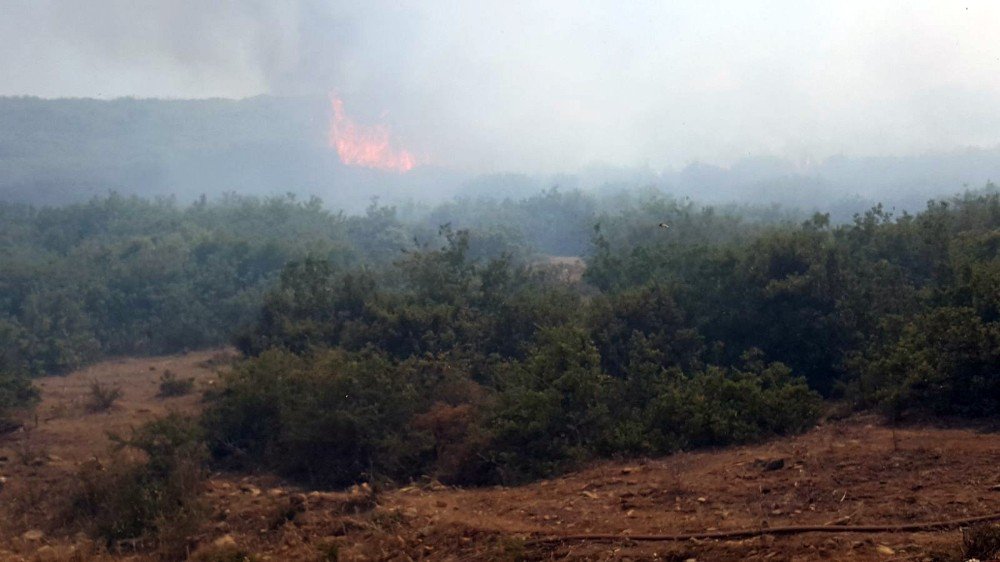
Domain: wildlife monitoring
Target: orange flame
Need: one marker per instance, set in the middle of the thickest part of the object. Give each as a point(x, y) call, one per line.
point(365, 145)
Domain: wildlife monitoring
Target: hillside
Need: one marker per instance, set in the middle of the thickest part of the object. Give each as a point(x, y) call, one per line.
point(849, 472)
point(59, 151)
point(54, 152)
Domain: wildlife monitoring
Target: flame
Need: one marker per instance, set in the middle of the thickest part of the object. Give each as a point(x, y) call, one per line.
point(369, 146)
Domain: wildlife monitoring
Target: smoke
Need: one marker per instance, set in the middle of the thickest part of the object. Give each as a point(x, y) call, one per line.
point(551, 86)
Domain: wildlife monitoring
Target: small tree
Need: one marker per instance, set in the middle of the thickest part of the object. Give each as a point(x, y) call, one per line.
point(102, 397)
point(16, 392)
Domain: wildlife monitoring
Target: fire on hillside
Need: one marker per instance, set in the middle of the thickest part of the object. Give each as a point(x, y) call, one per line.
point(369, 146)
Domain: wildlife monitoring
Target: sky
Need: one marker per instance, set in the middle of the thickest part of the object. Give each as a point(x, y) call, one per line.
point(550, 86)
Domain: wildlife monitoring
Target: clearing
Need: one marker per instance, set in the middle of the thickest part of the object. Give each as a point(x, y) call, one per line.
point(856, 471)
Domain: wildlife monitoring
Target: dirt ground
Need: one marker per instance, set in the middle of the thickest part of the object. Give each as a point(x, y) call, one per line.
point(849, 472)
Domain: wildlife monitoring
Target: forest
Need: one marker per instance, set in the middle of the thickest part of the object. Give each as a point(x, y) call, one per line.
point(377, 348)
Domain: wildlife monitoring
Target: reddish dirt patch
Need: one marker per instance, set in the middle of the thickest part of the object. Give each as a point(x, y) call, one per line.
point(855, 472)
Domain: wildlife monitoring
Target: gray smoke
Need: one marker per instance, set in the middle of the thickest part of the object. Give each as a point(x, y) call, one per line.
point(551, 86)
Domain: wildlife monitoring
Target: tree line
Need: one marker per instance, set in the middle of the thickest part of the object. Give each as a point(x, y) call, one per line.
point(381, 348)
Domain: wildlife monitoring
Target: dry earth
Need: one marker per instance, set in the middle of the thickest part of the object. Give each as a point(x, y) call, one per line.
point(854, 471)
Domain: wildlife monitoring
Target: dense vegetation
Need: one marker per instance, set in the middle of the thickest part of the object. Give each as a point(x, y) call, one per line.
point(381, 348)
point(717, 330)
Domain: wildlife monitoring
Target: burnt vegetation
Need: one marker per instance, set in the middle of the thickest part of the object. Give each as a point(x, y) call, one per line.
point(382, 349)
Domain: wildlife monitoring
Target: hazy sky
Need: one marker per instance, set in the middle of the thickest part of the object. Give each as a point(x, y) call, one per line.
point(548, 86)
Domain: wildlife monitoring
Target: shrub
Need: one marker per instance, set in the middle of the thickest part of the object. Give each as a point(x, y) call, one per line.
point(332, 418)
point(981, 542)
point(15, 393)
point(944, 363)
point(722, 406)
point(157, 497)
point(170, 385)
point(550, 411)
point(102, 397)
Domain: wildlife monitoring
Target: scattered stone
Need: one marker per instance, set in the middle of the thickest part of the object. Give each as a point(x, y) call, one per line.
point(46, 554)
point(995, 488)
point(882, 549)
point(768, 465)
point(589, 494)
point(702, 499)
point(33, 535)
point(225, 541)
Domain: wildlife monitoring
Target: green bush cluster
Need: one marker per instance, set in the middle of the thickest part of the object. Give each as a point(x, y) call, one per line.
point(123, 275)
point(487, 370)
point(380, 348)
point(16, 393)
point(156, 496)
point(479, 371)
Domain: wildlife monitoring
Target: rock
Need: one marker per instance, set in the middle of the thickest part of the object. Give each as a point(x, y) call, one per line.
point(252, 490)
point(770, 464)
point(702, 500)
point(224, 541)
point(33, 535)
point(589, 494)
point(882, 549)
point(995, 488)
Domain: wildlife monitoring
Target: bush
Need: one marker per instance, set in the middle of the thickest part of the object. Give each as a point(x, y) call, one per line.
point(723, 406)
point(981, 542)
point(170, 385)
point(944, 363)
point(551, 410)
point(157, 497)
point(102, 397)
point(332, 418)
point(15, 393)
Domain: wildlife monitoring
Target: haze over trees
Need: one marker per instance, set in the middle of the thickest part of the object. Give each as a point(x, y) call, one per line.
point(57, 151)
point(384, 347)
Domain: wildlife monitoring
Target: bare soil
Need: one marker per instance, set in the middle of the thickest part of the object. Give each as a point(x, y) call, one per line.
point(856, 471)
